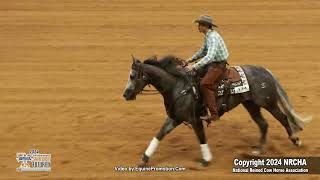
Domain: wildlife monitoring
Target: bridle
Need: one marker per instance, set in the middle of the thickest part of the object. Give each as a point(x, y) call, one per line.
point(143, 77)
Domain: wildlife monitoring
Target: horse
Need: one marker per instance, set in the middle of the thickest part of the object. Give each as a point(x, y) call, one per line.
point(181, 105)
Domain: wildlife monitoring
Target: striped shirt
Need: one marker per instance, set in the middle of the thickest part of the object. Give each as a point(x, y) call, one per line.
point(213, 50)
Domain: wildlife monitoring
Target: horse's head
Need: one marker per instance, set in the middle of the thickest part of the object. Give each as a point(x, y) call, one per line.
point(137, 80)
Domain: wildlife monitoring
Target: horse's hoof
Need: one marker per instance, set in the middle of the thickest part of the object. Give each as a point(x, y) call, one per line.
point(142, 164)
point(145, 158)
point(298, 143)
point(204, 163)
point(257, 151)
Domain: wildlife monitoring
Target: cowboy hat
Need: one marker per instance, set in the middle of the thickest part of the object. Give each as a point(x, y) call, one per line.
point(205, 19)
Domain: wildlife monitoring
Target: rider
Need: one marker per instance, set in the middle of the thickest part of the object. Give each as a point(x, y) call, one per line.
point(214, 56)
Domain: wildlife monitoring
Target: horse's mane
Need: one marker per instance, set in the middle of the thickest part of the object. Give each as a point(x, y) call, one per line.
point(168, 63)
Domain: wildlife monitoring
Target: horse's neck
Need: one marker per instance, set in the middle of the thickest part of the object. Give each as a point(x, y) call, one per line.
point(160, 79)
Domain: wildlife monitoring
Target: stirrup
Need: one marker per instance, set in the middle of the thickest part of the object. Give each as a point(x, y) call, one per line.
point(206, 116)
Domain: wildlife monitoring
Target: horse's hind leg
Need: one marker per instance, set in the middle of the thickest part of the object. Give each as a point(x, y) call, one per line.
point(280, 116)
point(168, 126)
point(255, 113)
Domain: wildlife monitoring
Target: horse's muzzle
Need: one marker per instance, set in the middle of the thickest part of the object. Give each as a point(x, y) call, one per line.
point(129, 96)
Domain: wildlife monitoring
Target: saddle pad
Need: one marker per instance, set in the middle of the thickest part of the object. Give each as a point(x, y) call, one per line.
point(237, 87)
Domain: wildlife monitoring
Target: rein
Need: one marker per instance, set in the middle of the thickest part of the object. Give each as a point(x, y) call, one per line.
point(149, 91)
point(141, 76)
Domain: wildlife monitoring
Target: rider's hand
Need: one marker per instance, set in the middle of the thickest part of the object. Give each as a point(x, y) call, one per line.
point(185, 63)
point(191, 71)
point(189, 60)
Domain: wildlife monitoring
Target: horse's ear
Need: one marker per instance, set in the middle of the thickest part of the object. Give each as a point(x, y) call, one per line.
point(133, 58)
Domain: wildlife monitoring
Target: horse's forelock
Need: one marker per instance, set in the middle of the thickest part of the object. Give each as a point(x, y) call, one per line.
point(135, 64)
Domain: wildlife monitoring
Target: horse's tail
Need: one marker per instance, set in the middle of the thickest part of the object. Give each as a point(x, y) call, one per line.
point(296, 121)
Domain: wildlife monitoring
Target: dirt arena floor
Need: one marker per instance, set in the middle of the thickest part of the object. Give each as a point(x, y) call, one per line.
point(64, 65)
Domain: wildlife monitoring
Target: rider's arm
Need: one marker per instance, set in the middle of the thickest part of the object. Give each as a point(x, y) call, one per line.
point(212, 48)
point(201, 53)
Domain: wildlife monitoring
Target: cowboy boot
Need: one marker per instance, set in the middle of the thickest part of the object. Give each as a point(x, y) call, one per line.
point(210, 100)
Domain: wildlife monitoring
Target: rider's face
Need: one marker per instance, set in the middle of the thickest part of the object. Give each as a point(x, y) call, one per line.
point(202, 28)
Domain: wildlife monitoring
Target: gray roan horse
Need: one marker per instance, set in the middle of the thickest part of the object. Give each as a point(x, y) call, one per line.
point(265, 92)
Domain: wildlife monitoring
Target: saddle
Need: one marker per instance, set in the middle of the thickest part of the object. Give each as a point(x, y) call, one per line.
point(231, 74)
point(232, 81)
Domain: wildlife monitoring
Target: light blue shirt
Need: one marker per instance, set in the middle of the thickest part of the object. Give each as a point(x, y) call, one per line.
point(213, 50)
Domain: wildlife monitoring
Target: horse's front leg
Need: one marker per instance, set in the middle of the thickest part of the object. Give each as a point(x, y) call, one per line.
point(206, 153)
point(168, 125)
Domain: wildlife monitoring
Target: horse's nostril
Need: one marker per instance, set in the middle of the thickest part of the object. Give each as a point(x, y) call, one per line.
point(125, 94)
